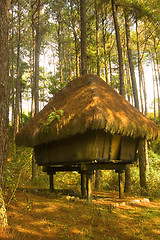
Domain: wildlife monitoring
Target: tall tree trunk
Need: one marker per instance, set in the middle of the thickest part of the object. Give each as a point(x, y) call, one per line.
point(104, 45)
point(156, 82)
point(140, 73)
point(75, 38)
point(119, 49)
point(154, 94)
point(142, 167)
point(36, 35)
point(4, 103)
point(60, 44)
point(110, 67)
point(156, 59)
point(65, 64)
point(83, 37)
point(17, 102)
point(97, 37)
point(121, 78)
point(37, 53)
point(130, 59)
point(144, 93)
point(13, 87)
point(33, 61)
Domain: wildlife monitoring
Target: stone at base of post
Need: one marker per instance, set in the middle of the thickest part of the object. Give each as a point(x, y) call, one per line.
point(51, 183)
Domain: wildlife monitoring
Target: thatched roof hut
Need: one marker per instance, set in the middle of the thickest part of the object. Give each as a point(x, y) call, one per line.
point(88, 103)
point(87, 126)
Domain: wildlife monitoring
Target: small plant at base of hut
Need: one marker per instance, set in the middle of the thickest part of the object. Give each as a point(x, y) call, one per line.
point(56, 114)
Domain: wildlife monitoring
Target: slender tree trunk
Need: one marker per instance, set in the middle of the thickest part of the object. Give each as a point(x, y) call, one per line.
point(142, 167)
point(104, 45)
point(144, 93)
point(131, 65)
point(154, 94)
point(60, 44)
point(121, 77)
point(33, 62)
point(13, 88)
point(140, 73)
point(146, 154)
point(110, 67)
point(4, 103)
point(156, 59)
point(119, 49)
point(83, 37)
point(65, 64)
point(157, 83)
point(17, 103)
point(70, 66)
point(36, 34)
point(97, 37)
point(75, 39)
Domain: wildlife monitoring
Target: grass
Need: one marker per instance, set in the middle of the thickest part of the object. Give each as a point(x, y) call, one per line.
point(45, 216)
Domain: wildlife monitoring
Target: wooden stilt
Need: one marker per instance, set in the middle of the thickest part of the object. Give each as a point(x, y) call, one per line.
point(121, 185)
point(51, 182)
point(83, 184)
point(89, 187)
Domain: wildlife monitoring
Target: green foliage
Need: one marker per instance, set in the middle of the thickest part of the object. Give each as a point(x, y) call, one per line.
point(155, 146)
point(56, 114)
point(109, 179)
point(25, 118)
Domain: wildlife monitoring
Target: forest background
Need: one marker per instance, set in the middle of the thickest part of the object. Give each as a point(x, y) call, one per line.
point(45, 38)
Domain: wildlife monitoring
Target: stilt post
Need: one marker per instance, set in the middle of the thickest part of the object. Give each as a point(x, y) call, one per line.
point(83, 184)
point(89, 186)
point(121, 184)
point(51, 182)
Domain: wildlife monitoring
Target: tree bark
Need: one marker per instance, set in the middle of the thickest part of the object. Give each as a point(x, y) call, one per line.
point(4, 102)
point(83, 37)
point(97, 37)
point(36, 35)
point(59, 44)
point(37, 55)
point(140, 73)
point(142, 167)
point(17, 102)
point(130, 59)
point(119, 49)
point(75, 38)
point(154, 95)
point(145, 93)
point(104, 45)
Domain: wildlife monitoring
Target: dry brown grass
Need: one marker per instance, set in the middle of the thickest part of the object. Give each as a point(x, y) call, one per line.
point(44, 216)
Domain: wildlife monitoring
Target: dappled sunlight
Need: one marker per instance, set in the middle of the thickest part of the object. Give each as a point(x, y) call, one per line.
point(55, 217)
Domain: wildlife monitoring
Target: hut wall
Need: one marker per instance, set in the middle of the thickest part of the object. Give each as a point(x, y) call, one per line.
point(88, 147)
point(80, 148)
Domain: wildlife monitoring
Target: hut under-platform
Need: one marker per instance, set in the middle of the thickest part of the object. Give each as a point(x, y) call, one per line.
point(87, 126)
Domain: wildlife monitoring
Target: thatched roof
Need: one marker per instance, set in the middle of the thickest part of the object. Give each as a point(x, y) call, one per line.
point(88, 103)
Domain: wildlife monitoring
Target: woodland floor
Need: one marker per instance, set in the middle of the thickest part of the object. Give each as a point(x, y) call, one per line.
point(39, 215)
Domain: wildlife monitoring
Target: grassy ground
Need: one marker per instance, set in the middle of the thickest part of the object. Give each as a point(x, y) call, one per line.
point(40, 215)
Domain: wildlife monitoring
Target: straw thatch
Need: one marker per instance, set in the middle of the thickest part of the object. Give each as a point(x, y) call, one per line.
point(88, 104)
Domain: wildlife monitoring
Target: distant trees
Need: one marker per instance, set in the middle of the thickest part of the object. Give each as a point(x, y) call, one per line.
point(115, 39)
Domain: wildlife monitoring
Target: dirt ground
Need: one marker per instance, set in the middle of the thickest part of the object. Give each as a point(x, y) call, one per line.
point(39, 215)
